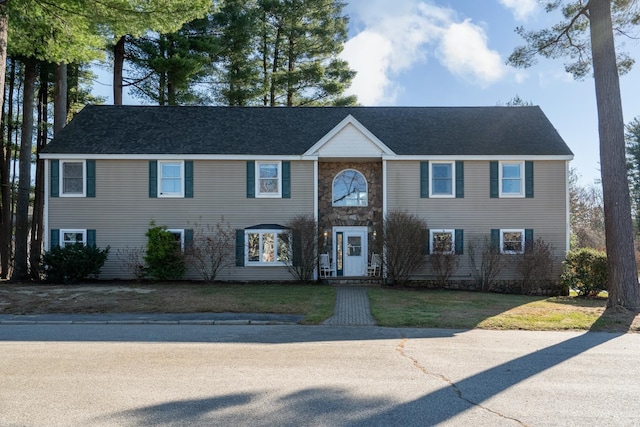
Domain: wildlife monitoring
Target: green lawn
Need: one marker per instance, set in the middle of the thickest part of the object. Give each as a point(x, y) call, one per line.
point(465, 310)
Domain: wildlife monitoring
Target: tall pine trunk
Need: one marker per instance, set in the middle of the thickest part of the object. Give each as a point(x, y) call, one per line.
point(6, 220)
point(118, 65)
point(623, 287)
point(37, 218)
point(20, 264)
point(60, 101)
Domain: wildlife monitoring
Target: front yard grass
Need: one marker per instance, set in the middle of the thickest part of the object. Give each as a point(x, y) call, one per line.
point(466, 310)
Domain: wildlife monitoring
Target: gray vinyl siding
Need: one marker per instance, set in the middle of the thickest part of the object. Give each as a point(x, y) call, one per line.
point(122, 210)
point(477, 213)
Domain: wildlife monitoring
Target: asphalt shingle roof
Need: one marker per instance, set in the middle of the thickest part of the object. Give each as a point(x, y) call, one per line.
point(107, 129)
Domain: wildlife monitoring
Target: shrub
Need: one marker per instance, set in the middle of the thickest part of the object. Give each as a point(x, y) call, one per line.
point(486, 262)
point(164, 259)
point(585, 270)
point(132, 261)
point(444, 265)
point(73, 263)
point(404, 237)
point(534, 265)
point(213, 249)
point(304, 239)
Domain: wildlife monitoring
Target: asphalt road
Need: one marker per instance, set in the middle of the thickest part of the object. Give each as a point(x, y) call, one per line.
point(203, 375)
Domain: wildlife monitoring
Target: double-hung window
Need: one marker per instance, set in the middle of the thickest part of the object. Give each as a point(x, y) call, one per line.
point(442, 241)
point(72, 178)
point(442, 181)
point(178, 236)
point(512, 241)
point(267, 247)
point(72, 237)
point(268, 179)
point(171, 178)
point(511, 179)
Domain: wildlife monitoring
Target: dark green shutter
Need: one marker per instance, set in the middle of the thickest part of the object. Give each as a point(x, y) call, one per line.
point(188, 240)
point(495, 239)
point(424, 180)
point(55, 177)
point(459, 237)
point(528, 239)
point(296, 247)
point(426, 248)
point(91, 178)
point(153, 178)
point(251, 180)
point(493, 180)
point(188, 179)
point(459, 180)
point(239, 248)
point(286, 180)
point(55, 238)
point(91, 238)
point(528, 179)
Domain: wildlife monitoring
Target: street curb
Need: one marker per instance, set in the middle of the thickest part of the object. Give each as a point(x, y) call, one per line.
point(146, 322)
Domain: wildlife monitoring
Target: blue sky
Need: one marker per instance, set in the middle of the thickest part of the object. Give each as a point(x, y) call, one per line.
point(453, 53)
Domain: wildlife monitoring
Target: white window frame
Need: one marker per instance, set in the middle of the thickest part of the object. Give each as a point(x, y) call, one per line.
point(501, 179)
point(74, 231)
point(512, 230)
point(261, 262)
point(279, 178)
point(366, 190)
point(432, 248)
point(179, 231)
point(182, 180)
point(84, 179)
point(432, 180)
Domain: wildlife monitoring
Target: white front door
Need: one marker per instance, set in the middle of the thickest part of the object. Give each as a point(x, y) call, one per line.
point(351, 250)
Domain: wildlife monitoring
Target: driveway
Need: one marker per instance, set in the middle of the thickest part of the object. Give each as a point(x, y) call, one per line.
point(204, 375)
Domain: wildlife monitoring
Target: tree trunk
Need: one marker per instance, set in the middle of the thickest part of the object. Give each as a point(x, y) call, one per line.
point(6, 220)
point(118, 65)
point(623, 287)
point(37, 222)
point(20, 265)
point(60, 101)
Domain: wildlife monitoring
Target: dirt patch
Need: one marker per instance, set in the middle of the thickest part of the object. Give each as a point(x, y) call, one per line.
point(103, 298)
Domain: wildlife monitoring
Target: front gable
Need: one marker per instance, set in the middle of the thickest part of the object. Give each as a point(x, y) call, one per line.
point(349, 139)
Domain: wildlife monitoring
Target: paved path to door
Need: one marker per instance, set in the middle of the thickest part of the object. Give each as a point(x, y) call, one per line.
point(352, 307)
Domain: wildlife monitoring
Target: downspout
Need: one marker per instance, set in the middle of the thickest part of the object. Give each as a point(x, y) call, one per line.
point(316, 217)
point(45, 208)
point(383, 272)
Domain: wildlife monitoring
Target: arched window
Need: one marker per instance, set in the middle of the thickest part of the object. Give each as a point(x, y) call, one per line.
point(349, 189)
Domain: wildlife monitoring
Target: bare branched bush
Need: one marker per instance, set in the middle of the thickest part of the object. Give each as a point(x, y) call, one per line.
point(304, 239)
point(212, 249)
point(444, 263)
point(404, 237)
point(535, 265)
point(132, 261)
point(485, 261)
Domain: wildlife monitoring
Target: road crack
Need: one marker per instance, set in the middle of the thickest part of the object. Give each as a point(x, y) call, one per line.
point(400, 349)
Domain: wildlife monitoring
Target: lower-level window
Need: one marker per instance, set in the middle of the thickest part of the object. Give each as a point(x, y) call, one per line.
point(72, 237)
point(178, 235)
point(442, 241)
point(512, 241)
point(267, 247)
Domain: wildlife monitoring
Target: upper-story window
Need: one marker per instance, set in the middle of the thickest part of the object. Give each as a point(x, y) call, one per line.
point(349, 189)
point(442, 182)
point(511, 179)
point(171, 178)
point(72, 179)
point(268, 179)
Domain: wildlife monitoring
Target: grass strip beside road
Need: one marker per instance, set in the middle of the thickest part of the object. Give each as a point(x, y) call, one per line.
point(467, 310)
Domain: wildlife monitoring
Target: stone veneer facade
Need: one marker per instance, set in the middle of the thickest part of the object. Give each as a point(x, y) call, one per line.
point(369, 216)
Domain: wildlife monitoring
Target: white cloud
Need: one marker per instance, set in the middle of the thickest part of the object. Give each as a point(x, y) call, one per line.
point(521, 8)
point(465, 53)
point(394, 38)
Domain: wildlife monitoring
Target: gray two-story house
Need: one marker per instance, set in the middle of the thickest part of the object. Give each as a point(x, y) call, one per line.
point(469, 172)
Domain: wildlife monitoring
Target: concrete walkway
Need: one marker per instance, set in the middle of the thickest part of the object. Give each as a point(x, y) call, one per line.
point(352, 308)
